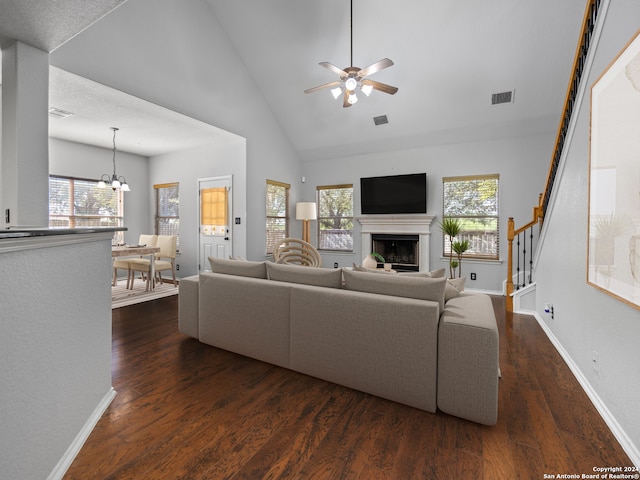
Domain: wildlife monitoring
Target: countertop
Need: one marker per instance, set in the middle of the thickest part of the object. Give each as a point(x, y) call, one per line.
point(25, 232)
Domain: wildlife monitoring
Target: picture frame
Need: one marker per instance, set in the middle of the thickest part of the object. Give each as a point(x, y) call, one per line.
point(613, 253)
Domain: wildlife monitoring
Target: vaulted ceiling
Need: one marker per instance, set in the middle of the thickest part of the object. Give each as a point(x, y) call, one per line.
point(450, 57)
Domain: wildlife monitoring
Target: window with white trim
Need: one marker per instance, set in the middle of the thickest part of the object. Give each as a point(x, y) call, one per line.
point(474, 201)
point(77, 203)
point(277, 213)
point(167, 217)
point(335, 217)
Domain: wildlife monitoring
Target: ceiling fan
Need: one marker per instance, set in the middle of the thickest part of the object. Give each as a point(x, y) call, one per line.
point(353, 78)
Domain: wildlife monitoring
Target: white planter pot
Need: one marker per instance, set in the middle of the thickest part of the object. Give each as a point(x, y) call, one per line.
point(370, 262)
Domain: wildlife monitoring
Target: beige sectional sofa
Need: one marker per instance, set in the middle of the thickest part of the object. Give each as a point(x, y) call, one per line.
point(411, 339)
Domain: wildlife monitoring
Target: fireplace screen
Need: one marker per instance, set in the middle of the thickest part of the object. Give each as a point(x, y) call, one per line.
point(399, 250)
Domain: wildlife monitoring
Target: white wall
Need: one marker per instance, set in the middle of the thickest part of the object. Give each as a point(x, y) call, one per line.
point(522, 164)
point(175, 55)
point(187, 167)
point(55, 348)
point(586, 319)
point(85, 161)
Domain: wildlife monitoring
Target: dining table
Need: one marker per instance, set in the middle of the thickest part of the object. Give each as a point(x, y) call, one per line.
point(140, 250)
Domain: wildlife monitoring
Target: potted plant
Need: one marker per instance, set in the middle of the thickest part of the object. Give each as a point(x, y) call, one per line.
point(451, 228)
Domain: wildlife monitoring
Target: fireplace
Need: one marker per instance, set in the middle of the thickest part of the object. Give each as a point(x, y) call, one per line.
point(399, 250)
point(413, 228)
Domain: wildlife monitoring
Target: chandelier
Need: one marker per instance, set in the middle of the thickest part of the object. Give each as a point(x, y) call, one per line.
point(115, 182)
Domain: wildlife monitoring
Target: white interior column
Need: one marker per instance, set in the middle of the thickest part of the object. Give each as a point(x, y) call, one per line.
point(25, 136)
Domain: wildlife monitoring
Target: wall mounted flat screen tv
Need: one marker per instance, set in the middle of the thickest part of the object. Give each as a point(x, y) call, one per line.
point(394, 194)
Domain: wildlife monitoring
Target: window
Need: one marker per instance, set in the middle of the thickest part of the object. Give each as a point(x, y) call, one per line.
point(474, 201)
point(77, 203)
point(167, 218)
point(335, 218)
point(277, 213)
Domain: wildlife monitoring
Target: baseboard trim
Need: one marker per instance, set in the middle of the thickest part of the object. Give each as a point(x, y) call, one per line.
point(69, 456)
point(625, 442)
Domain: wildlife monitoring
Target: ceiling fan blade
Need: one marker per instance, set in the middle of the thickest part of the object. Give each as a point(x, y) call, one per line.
point(345, 102)
point(375, 67)
point(320, 87)
point(334, 69)
point(383, 87)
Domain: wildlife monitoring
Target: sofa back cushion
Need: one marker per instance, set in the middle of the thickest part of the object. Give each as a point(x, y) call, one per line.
point(320, 277)
point(397, 285)
point(241, 268)
point(432, 274)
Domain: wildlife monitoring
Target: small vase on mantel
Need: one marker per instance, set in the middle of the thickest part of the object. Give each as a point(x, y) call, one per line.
point(370, 262)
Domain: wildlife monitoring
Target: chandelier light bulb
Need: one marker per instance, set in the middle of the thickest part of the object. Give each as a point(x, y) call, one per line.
point(352, 98)
point(336, 92)
point(366, 89)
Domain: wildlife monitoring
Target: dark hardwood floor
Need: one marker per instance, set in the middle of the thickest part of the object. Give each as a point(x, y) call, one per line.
point(185, 410)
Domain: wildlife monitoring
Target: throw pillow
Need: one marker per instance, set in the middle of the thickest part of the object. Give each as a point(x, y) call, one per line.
point(397, 285)
point(240, 268)
point(320, 277)
point(453, 288)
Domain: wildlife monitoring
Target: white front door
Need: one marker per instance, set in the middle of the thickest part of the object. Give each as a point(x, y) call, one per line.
point(215, 213)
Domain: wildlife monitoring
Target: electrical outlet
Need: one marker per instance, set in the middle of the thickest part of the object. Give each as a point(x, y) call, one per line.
point(472, 276)
point(335, 265)
point(595, 360)
point(177, 266)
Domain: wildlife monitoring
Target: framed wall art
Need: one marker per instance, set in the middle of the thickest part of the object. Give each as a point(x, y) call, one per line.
point(614, 178)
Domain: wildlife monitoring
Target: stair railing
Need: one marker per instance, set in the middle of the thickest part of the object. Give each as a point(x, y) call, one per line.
point(525, 238)
point(579, 63)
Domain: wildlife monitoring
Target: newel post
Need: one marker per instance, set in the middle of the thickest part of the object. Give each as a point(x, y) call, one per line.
point(509, 292)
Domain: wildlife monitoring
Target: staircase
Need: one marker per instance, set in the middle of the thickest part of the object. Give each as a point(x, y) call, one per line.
point(520, 282)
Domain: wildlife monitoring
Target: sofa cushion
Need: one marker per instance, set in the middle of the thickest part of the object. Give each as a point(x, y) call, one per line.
point(238, 267)
point(357, 268)
point(397, 285)
point(320, 277)
point(432, 274)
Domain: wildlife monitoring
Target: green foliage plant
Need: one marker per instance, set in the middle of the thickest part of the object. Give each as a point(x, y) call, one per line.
point(451, 227)
point(377, 256)
point(460, 247)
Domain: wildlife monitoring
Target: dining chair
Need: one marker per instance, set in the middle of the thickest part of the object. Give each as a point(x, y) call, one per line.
point(166, 257)
point(125, 263)
point(165, 260)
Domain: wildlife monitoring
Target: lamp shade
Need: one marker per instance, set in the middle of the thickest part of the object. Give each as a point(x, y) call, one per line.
point(306, 211)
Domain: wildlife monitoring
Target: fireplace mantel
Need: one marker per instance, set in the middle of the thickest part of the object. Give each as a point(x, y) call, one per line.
point(411, 224)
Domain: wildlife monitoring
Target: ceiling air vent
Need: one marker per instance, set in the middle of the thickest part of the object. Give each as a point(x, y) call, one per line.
point(58, 113)
point(380, 120)
point(503, 97)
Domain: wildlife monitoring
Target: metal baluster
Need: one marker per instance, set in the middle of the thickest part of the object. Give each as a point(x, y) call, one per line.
point(518, 263)
point(531, 256)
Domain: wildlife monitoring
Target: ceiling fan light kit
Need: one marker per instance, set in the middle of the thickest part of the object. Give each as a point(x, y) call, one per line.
point(353, 78)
